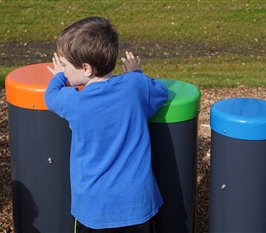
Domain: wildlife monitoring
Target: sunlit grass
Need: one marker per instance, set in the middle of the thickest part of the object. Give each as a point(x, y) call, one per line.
point(214, 21)
point(237, 27)
point(3, 72)
point(211, 72)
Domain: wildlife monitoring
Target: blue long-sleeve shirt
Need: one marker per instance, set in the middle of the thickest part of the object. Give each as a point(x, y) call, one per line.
point(112, 184)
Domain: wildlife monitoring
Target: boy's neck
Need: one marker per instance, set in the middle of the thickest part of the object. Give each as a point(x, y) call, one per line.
point(99, 79)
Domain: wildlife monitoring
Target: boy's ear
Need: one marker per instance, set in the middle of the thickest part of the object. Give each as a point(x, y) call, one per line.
point(88, 70)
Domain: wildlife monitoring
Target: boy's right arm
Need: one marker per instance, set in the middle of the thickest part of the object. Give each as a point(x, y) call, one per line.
point(157, 97)
point(130, 63)
point(158, 93)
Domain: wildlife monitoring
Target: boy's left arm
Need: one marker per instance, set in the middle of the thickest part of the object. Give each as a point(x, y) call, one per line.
point(52, 92)
point(57, 65)
point(55, 85)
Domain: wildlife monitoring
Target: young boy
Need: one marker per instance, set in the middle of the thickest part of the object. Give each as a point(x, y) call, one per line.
point(112, 185)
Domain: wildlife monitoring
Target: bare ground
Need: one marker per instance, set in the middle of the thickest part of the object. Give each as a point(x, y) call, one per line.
point(22, 54)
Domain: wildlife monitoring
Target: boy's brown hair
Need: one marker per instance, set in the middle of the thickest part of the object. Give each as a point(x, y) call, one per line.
point(91, 40)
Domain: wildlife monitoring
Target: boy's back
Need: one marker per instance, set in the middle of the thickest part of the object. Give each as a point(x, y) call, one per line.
point(110, 153)
point(112, 184)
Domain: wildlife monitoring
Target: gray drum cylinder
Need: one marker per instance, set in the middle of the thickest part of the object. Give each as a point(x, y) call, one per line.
point(39, 150)
point(39, 146)
point(238, 162)
point(40, 143)
point(173, 132)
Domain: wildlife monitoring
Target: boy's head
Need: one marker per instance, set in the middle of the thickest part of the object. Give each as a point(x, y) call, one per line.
point(91, 40)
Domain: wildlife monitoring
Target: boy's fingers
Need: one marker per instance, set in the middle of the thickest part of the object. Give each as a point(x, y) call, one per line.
point(130, 55)
point(50, 69)
point(55, 62)
point(56, 58)
point(124, 60)
point(124, 69)
point(138, 60)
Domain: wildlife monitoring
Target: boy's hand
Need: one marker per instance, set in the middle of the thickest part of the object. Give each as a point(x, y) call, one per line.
point(57, 65)
point(130, 63)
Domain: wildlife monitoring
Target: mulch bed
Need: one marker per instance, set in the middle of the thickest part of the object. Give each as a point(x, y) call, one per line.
point(209, 97)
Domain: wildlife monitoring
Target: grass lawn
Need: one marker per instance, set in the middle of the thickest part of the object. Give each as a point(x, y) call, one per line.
point(207, 43)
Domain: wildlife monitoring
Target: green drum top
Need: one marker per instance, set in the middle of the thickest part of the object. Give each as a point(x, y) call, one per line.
point(183, 103)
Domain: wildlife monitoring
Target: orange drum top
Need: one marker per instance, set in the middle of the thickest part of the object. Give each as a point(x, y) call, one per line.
point(25, 86)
